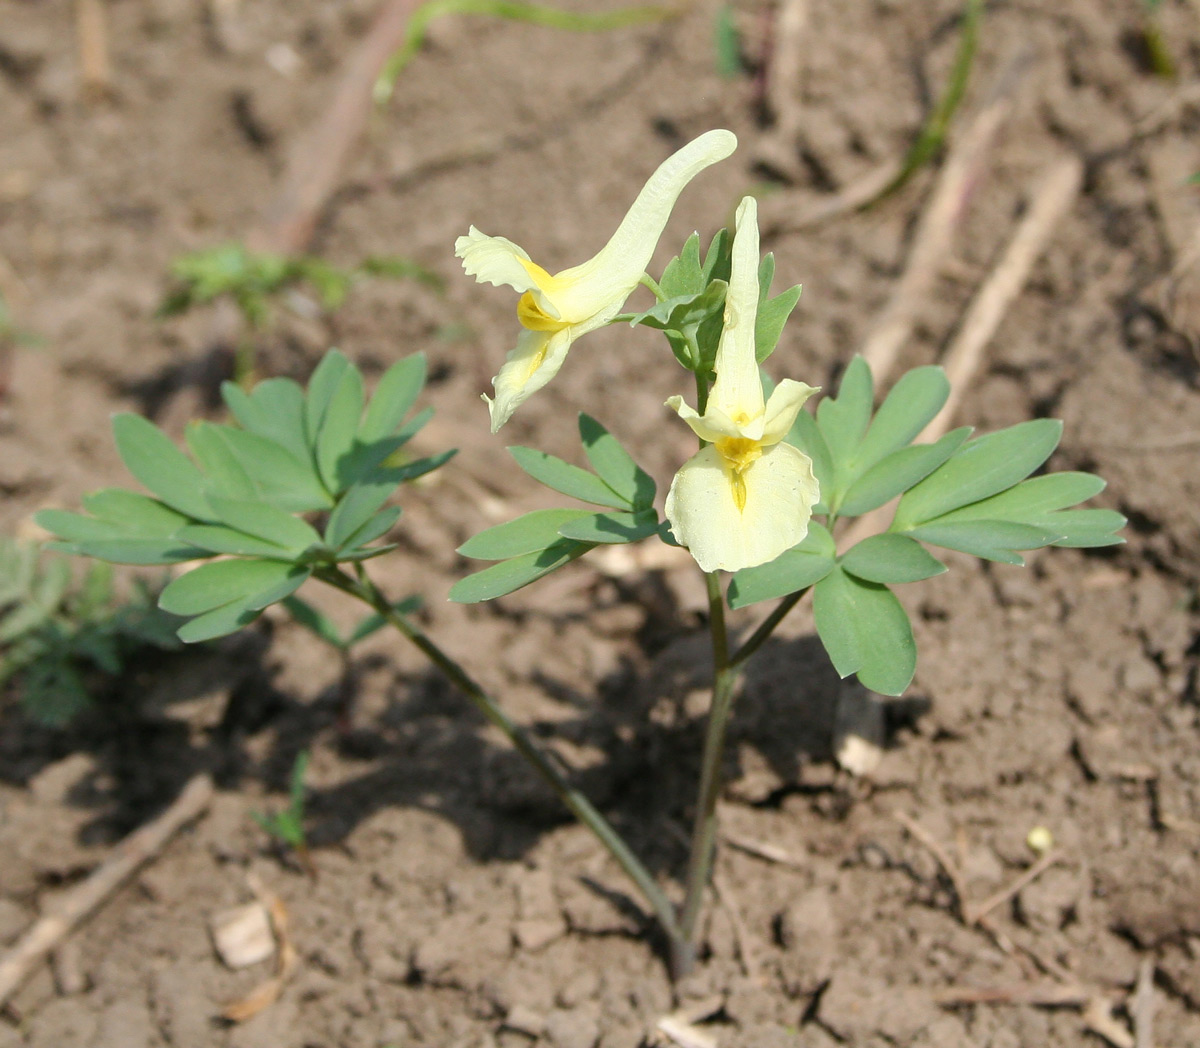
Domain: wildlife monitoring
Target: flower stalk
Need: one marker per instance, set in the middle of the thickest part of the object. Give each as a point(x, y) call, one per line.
point(364, 589)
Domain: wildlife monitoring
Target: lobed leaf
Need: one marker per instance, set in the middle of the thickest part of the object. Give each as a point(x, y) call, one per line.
point(528, 533)
point(896, 473)
point(222, 582)
point(804, 565)
point(394, 396)
point(614, 465)
point(567, 479)
point(865, 630)
point(890, 558)
point(907, 409)
point(159, 465)
point(983, 467)
point(339, 428)
point(225, 474)
point(610, 528)
point(843, 419)
point(267, 522)
point(509, 575)
point(989, 539)
point(322, 385)
point(275, 410)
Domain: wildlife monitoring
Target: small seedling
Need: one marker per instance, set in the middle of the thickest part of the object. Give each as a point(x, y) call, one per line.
point(287, 826)
point(510, 10)
point(255, 282)
point(61, 641)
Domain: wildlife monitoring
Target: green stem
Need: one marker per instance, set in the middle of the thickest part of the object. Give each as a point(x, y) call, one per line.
point(704, 829)
point(647, 280)
point(767, 627)
point(365, 590)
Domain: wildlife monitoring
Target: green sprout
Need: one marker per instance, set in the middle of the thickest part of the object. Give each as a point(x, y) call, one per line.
point(61, 640)
point(1159, 54)
point(932, 135)
point(255, 281)
point(287, 825)
point(513, 11)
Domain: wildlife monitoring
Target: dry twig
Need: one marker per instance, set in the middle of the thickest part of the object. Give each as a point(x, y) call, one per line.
point(1143, 1005)
point(1054, 196)
point(1098, 1018)
point(936, 227)
point(316, 160)
point(763, 850)
point(777, 148)
point(77, 903)
point(974, 913)
point(95, 69)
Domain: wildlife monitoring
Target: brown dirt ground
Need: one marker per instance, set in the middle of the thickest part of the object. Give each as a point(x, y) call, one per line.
point(454, 901)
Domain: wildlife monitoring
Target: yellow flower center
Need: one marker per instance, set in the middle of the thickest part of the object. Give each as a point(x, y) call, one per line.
point(532, 316)
point(739, 454)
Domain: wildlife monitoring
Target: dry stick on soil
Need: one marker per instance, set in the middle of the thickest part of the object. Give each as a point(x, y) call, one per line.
point(95, 70)
point(139, 847)
point(777, 148)
point(934, 234)
point(1143, 1005)
point(316, 160)
point(1098, 1018)
point(1053, 198)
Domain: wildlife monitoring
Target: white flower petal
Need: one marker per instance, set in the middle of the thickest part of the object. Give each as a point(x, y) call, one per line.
point(495, 260)
point(780, 492)
point(712, 426)
point(738, 388)
point(530, 364)
point(784, 405)
point(613, 273)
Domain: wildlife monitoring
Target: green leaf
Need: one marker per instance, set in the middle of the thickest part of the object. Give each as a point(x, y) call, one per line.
point(1031, 498)
point(891, 558)
point(217, 538)
point(226, 475)
point(322, 385)
point(159, 465)
point(529, 533)
point(395, 395)
point(614, 464)
point(683, 275)
point(374, 622)
point(899, 471)
point(806, 435)
point(727, 44)
point(1082, 528)
point(253, 583)
point(267, 522)
point(989, 539)
point(354, 509)
point(339, 427)
point(843, 419)
point(275, 410)
point(567, 479)
point(136, 514)
point(982, 467)
point(280, 478)
point(798, 568)
point(866, 631)
point(315, 621)
point(773, 313)
point(146, 552)
point(510, 575)
point(907, 409)
point(375, 527)
point(682, 313)
point(229, 618)
point(600, 528)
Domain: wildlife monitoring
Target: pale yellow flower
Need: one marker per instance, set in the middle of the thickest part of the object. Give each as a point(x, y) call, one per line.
point(747, 496)
point(556, 310)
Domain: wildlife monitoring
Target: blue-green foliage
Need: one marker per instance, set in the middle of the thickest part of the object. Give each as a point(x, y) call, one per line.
point(957, 493)
point(246, 489)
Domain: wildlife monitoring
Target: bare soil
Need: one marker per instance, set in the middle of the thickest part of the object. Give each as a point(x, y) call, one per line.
point(455, 906)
